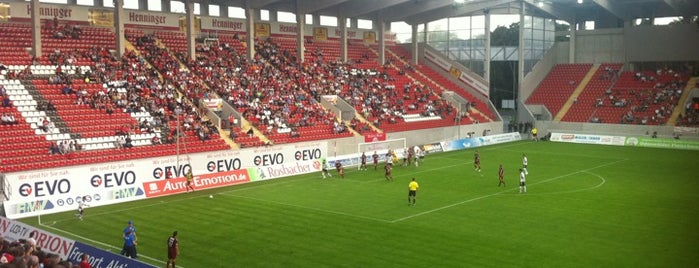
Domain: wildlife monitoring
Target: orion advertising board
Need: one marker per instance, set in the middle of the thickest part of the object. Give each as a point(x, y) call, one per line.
point(65, 248)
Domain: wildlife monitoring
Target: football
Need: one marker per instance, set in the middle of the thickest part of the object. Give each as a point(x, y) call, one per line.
point(211, 196)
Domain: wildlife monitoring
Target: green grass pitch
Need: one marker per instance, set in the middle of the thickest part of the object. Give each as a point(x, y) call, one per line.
point(586, 206)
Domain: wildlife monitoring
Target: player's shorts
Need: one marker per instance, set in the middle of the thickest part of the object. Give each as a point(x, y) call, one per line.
point(521, 183)
point(171, 253)
point(411, 193)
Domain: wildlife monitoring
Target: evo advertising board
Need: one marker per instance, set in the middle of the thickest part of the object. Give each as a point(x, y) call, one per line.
point(32, 193)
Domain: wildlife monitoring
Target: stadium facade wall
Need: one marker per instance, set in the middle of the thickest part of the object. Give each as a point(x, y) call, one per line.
point(600, 46)
point(662, 43)
point(640, 43)
point(609, 129)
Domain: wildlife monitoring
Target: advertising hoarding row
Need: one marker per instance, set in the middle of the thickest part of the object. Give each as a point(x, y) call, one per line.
point(103, 17)
point(67, 249)
point(46, 191)
point(626, 141)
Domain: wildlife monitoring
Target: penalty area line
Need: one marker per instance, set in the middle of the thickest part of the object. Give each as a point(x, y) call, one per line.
point(500, 192)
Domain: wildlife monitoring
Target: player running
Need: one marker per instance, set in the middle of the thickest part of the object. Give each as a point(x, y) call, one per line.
point(81, 208)
point(388, 175)
point(190, 184)
point(325, 170)
point(477, 161)
point(501, 176)
point(340, 169)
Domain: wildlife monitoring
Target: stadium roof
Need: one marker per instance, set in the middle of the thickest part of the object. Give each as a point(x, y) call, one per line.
point(421, 11)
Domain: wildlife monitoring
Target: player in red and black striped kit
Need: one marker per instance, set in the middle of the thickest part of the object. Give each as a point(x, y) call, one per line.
point(375, 156)
point(501, 176)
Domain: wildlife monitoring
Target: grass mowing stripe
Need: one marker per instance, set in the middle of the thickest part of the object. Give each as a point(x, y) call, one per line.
point(310, 208)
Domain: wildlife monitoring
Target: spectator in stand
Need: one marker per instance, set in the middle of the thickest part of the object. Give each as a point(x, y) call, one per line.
point(6, 102)
point(156, 140)
point(8, 119)
point(127, 142)
point(54, 149)
point(63, 147)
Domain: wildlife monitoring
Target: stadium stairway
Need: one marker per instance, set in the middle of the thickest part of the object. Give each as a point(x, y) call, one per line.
point(225, 136)
point(683, 99)
point(361, 118)
point(579, 89)
point(425, 79)
point(473, 111)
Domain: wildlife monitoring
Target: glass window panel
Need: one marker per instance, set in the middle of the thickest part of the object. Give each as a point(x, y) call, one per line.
point(538, 34)
point(365, 24)
point(176, 7)
point(478, 22)
point(459, 23)
point(107, 4)
point(401, 27)
point(461, 34)
point(478, 33)
point(236, 12)
point(55, 1)
point(131, 4)
point(286, 17)
point(528, 33)
point(527, 22)
point(155, 5)
point(404, 37)
point(550, 25)
point(85, 2)
point(537, 44)
point(215, 10)
point(438, 45)
point(538, 23)
point(328, 21)
point(264, 14)
point(438, 36)
point(438, 25)
point(309, 19)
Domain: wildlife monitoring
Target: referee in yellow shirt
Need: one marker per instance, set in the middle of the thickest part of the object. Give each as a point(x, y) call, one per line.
point(412, 191)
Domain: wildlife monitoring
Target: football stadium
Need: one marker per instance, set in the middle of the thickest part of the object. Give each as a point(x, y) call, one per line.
point(349, 133)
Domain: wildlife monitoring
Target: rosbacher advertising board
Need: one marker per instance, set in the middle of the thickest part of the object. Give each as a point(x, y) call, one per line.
point(33, 193)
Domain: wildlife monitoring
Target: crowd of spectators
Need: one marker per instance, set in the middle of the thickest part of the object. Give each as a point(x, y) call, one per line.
point(25, 253)
point(267, 90)
point(649, 99)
